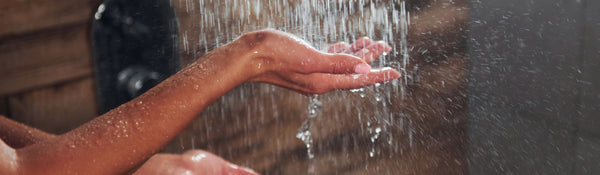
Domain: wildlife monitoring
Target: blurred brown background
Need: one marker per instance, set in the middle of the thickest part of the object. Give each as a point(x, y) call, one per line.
point(45, 63)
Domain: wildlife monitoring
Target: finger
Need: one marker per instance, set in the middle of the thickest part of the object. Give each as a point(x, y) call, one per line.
point(202, 161)
point(320, 83)
point(338, 47)
point(373, 51)
point(284, 82)
point(359, 44)
point(331, 82)
point(335, 64)
point(238, 170)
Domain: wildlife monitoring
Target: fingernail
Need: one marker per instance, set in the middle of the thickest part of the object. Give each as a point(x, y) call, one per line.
point(386, 47)
point(362, 68)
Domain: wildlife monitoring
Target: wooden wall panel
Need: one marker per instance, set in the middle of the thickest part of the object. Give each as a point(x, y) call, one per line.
point(4, 106)
point(44, 59)
point(18, 17)
point(58, 108)
point(45, 63)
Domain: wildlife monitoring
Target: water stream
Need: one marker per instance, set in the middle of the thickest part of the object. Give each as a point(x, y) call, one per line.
point(321, 23)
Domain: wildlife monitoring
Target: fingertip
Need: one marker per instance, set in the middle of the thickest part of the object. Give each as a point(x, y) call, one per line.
point(388, 73)
point(392, 72)
point(394, 75)
point(341, 63)
point(362, 68)
point(380, 47)
point(239, 170)
point(386, 47)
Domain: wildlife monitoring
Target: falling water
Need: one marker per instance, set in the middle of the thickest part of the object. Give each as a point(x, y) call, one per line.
point(320, 22)
point(314, 109)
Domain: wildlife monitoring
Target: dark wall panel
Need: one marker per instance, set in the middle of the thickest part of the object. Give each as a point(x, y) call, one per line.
point(532, 87)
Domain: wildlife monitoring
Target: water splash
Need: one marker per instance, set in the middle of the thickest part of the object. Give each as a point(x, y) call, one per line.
point(314, 109)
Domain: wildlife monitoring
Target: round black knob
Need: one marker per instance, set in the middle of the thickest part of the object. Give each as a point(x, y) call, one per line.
point(134, 81)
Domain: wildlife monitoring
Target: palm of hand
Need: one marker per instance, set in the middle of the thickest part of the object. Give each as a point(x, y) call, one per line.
point(287, 61)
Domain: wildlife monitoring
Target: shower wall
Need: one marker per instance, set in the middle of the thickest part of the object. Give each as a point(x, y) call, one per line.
point(418, 132)
point(534, 91)
point(45, 63)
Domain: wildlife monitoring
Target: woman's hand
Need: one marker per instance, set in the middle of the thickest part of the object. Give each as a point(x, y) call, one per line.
point(197, 162)
point(283, 59)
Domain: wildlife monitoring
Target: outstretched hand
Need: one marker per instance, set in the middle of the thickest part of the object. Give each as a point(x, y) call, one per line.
point(285, 60)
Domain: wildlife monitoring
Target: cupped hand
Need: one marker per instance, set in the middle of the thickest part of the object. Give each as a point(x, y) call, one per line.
point(196, 162)
point(285, 60)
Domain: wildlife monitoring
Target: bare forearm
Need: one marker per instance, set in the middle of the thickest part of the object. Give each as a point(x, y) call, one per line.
point(18, 135)
point(125, 136)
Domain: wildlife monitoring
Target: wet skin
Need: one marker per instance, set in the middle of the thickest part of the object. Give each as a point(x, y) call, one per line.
point(126, 136)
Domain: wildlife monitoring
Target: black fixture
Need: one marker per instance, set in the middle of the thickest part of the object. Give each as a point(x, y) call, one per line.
point(135, 47)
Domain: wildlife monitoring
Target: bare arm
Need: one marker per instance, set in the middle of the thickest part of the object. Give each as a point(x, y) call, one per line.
point(127, 135)
point(17, 135)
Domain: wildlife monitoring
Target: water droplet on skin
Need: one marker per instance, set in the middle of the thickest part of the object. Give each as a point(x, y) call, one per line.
point(198, 157)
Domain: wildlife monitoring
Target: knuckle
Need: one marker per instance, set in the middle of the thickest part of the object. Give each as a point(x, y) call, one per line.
point(255, 38)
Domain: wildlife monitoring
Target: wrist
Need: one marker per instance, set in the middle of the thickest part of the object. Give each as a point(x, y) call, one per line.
point(249, 55)
point(234, 61)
